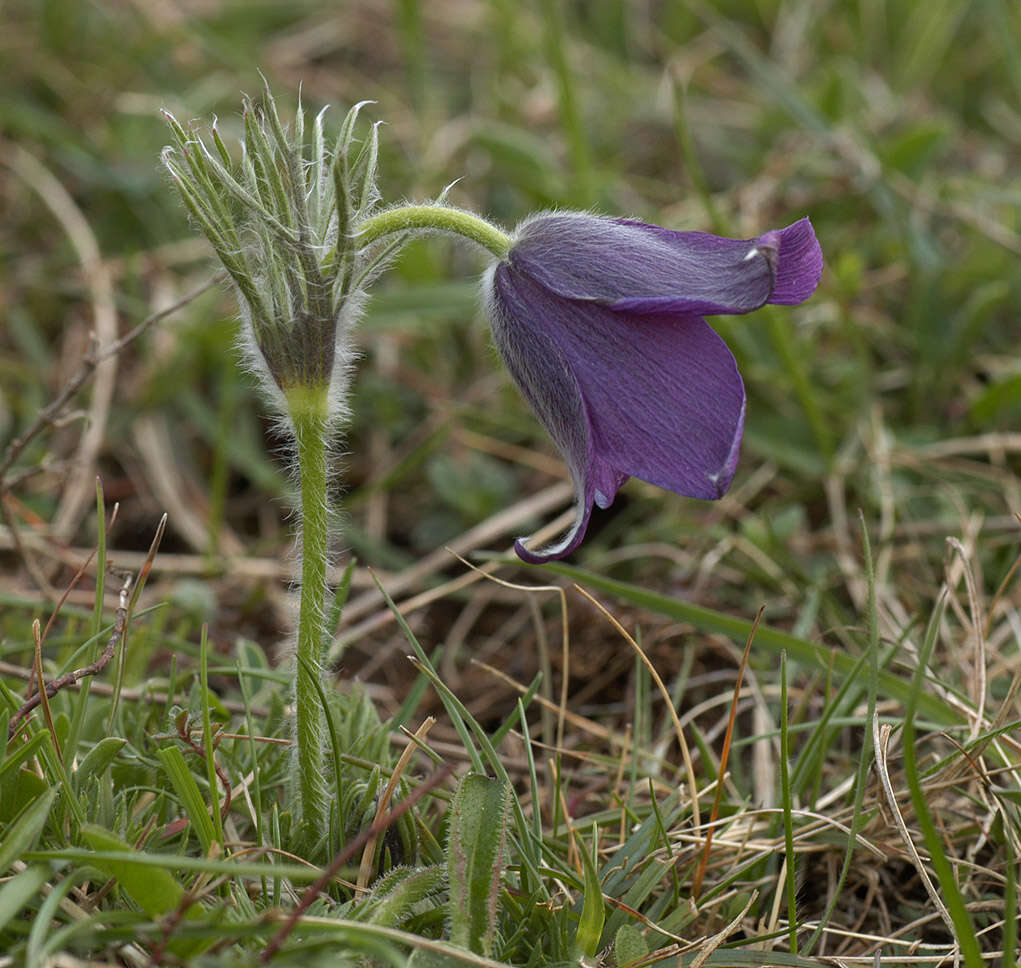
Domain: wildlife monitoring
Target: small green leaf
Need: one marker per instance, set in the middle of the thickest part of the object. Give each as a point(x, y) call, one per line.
point(15, 894)
point(629, 945)
point(98, 759)
point(593, 911)
point(251, 655)
point(191, 797)
point(909, 151)
point(394, 894)
point(478, 832)
point(21, 789)
point(23, 833)
point(153, 889)
point(19, 755)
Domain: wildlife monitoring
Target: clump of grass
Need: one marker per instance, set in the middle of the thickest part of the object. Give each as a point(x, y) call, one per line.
point(166, 838)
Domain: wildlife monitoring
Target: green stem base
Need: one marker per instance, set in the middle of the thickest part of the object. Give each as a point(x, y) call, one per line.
point(308, 407)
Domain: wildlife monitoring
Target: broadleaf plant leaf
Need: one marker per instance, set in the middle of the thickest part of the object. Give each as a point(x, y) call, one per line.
point(478, 834)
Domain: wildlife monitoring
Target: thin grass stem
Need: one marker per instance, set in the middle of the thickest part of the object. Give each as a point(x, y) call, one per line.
point(949, 890)
point(788, 822)
point(207, 736)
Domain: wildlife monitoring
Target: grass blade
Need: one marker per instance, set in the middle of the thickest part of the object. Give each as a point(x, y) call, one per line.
point(191, 798)
point(22, 834)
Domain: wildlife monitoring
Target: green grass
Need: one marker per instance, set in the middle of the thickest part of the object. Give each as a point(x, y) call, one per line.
point(895, 391)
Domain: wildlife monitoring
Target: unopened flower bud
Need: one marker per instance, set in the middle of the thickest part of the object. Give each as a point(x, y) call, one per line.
point(282, 222)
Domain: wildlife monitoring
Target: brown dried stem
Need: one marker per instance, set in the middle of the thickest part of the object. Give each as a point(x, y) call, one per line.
point(71, 678)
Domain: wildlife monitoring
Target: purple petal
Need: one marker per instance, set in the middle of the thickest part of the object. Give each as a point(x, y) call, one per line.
point(634, 267)
point(799, 263)
point(621, 393)
point(548, 384)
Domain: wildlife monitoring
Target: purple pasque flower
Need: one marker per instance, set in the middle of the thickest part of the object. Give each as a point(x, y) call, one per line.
point(600, 323)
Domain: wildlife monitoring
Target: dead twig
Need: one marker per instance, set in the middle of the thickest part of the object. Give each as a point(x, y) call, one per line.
point(138, 694)
point(63, 598)
point(369, 852)
point(71, 678)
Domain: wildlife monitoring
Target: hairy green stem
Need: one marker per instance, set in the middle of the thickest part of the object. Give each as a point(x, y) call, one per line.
point(308, 410)
point(438, 218)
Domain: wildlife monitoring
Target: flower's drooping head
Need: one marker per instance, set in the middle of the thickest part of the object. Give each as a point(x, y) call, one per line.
point(600, 323)
point(282, 221)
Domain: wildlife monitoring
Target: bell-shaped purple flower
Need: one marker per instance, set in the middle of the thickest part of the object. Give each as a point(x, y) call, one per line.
point(600, 323)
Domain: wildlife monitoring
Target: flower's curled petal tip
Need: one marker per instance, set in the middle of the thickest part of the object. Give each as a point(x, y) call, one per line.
point(563, 547)
point(525, 555)
point(534, 558)
point(799, 263)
